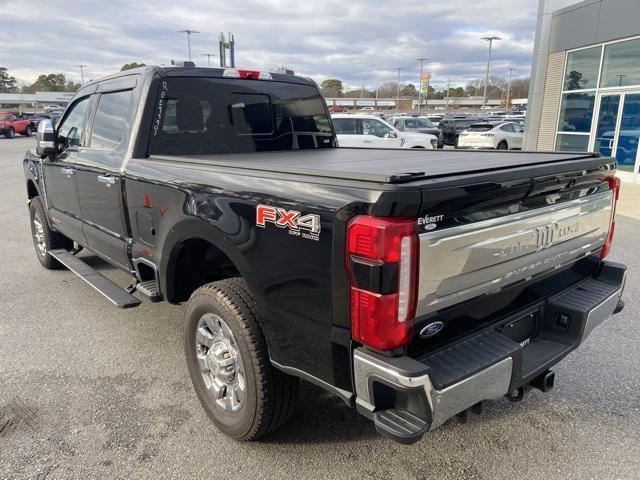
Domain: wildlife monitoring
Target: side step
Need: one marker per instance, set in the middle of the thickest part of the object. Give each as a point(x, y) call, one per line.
point(149, 288)
point(400, 425)
point(116, 294)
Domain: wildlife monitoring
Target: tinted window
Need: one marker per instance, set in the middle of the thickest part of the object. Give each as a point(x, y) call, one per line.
point(576, 112)
point(71, 129)
point(209, 115)
point(621, 66)
point(481, 128)
point(345, 126)
point(418, 123)
point(572, 143)
point(582, 69)
point(463, 123)
point(112, 119)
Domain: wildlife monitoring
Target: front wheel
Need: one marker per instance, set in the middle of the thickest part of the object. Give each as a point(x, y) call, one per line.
point(229, 366)
point(503, 146)
point(28, 131)
point(10, 133)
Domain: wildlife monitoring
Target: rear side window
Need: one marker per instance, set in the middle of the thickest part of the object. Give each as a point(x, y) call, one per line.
point(112, 119)
point(345, 126)
point(508, 127)
point(196, 116)
point(481, 128)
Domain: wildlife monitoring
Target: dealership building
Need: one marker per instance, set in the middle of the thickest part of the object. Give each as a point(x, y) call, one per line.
point(585, 82)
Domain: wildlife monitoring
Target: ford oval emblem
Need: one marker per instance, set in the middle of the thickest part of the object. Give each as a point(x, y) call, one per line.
point(431, 329)
point(430, 226)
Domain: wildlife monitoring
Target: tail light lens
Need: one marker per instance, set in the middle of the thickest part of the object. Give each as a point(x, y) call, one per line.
point(382, 258)
point(614, 185)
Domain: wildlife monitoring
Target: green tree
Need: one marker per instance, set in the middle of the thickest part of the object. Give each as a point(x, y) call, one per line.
point(331, 87)
point(8, 84)
point(132, 65)
point(409, 90)
point(53, 82)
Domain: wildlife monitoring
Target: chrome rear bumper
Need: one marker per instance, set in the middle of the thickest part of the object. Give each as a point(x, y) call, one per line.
point(407, 387)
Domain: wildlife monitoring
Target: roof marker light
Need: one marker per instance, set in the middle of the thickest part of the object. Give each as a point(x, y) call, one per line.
point(246, 74)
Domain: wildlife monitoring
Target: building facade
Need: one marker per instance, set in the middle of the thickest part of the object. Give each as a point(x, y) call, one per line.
point(585, 93)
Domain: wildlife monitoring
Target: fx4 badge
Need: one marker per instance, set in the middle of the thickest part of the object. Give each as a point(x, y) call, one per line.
point(305, 226)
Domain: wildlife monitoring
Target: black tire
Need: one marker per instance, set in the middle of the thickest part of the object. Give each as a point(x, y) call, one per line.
point(10, 133)
point(50, 240)
point(28, 131)
point(270, 394)
point(503, 146)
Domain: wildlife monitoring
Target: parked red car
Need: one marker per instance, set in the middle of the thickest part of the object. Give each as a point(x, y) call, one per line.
point(11, 124)
point(337, 109)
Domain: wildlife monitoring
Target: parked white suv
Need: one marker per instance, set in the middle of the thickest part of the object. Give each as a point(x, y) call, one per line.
point(369, 131)
point(498, 135)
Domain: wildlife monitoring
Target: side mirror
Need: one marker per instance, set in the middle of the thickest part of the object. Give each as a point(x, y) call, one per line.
point(45, 139)
point(392, 134)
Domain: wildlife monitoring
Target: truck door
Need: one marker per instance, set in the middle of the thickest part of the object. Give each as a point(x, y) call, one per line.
point(60, 171)
point(100, 183)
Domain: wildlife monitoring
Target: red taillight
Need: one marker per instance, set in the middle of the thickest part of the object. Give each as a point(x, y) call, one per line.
point(246, 74)
point(614, 185)
point(382, 258)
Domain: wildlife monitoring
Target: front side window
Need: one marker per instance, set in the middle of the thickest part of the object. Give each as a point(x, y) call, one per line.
point(72, 127)
point(112, 119)
point(375, 128)
point(196, 116)
point(582, 69)
point(508, 127)
point(621, 65)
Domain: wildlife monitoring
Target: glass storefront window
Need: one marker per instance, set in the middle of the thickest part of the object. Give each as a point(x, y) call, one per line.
point(572, 143)
point(621, 65)
point(576, 112)
point(582, 69)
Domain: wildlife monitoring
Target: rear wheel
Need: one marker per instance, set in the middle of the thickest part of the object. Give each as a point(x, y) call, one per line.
point(45, 239)
point(503, 146)
point(242, 393)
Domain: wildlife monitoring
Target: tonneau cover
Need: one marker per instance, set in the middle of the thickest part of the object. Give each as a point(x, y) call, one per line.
point(378, 165)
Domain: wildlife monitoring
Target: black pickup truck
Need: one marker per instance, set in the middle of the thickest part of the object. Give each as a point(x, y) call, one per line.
point(412, 284)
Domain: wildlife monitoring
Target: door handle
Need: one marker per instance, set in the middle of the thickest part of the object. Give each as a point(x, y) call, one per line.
point(367, 141)
point(108, 181)
point(67, 171)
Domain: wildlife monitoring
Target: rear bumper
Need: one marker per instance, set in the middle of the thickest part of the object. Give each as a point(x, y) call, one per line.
point(406, 397)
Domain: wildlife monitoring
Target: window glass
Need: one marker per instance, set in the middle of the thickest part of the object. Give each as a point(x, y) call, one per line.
point(345, 126)
point(621, 66)
point(481, 127)
point(508, 127)
point(418, 123)
point(576, 112)
point(112, 119)
point(463, 123)
point(375, 127)
point(572, 143)
point(197, 116)
point(582, 69)
point(71, 129)
point(5, 117)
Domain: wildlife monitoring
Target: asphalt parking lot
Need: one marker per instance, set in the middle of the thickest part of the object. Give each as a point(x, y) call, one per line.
point(91, 391)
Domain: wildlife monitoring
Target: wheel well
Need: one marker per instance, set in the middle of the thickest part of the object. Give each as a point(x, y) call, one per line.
point(193, 263)
point(32, 191)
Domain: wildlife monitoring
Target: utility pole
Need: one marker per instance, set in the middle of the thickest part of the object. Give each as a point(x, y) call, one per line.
point(486, 77)
point(362, 90)
point(448, 89)
point(398, 90)
point(81, 72)
point(208, 55)
point(188, 32)
point(421, 60)
point(506, 109)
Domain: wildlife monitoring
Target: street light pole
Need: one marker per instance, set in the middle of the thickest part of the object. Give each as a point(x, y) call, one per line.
point(208, 55)
point(486, 77)
point(421, 60)
point(506, 108)
point(188, 32)
point(81, 72)
point(398, 90)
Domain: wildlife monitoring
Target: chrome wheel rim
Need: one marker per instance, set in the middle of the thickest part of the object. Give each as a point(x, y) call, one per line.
point(220, 363)
point(38, 237)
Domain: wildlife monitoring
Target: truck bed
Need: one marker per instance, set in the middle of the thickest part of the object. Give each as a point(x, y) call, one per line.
point(381, 165)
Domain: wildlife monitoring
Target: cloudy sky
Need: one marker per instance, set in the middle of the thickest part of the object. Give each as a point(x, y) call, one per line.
point(354, 40)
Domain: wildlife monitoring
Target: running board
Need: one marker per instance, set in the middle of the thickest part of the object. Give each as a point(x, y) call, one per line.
point(116, 294)
point(148, 288)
